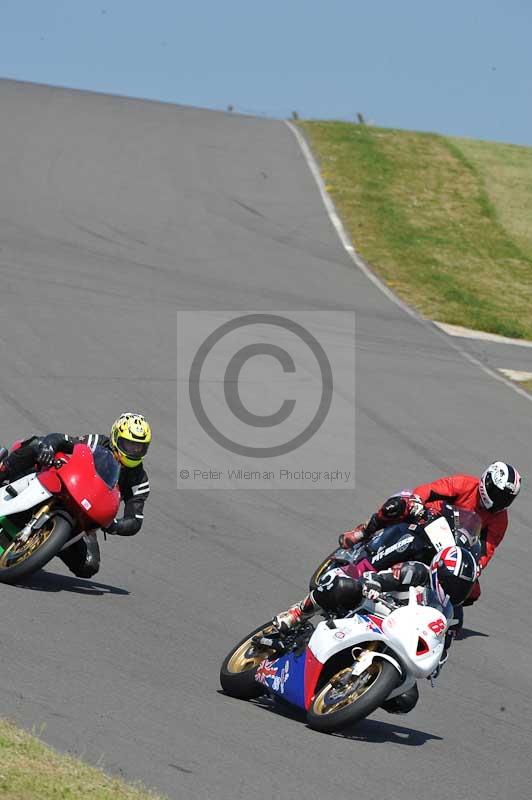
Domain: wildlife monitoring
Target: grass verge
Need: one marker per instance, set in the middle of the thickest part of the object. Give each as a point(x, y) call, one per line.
point(29, 770)
point(445, 222)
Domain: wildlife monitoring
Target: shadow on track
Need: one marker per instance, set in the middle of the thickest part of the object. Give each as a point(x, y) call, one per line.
point(468, 633)
point(373, 730)
point(368, 730)
point(55, 582)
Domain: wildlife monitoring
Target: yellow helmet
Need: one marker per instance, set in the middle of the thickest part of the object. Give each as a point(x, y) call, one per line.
point(130, 438)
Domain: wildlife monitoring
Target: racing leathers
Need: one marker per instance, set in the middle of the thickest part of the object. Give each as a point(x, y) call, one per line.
point(462, 491)
point(459, 490)
point(83, 557)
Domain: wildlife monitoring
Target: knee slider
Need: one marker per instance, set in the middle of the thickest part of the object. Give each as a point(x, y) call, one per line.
point(394, 507)
point(91, 564)
point(87, 570)
point(403, 703)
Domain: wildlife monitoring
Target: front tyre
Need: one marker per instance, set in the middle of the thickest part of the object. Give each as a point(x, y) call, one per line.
point(346, 699)
point(237, 673)
point(325, 565)
point(21, 559)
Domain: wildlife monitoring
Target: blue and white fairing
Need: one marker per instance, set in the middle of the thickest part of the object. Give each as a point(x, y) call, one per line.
point(285, 677)
point(294, 676)
point(413, 635)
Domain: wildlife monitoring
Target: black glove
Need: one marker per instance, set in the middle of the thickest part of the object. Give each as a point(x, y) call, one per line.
point(371, 588)
point(111, 529)
point(45, 454)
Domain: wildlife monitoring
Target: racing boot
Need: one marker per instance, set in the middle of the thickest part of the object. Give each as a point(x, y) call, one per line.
point(293, 616)
point(350, 538)
point(457, 623)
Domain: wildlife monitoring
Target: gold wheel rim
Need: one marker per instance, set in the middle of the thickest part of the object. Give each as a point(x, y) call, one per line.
point(18, 552)
point(246, 656)
point(350, 693)
point(324, 567)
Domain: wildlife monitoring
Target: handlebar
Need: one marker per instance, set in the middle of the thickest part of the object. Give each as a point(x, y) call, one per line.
point(389, 601)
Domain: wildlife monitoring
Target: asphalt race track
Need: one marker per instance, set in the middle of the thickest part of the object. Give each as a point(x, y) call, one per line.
point(114, 214)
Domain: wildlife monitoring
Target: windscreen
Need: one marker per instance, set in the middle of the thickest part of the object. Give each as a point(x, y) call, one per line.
point(106, 465)
point(465, 524)
point(430, 598)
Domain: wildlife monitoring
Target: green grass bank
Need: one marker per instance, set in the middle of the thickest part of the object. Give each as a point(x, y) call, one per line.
point(29, 770)
point(446, 222)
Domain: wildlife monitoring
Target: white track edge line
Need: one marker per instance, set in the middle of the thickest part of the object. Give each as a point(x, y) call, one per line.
point(338, 224)
point(516, 374)
point(468, 333)
point(363, 267)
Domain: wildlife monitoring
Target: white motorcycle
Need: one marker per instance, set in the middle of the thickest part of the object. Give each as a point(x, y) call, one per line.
point(345, 668)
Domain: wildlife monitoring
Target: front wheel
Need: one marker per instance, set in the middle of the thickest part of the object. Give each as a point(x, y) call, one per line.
point(325, 565)
point(237, 673)
point(22, 558)
point(346, 698)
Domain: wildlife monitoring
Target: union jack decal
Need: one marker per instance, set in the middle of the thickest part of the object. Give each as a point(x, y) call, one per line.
point(373, 623)
point(265, 671)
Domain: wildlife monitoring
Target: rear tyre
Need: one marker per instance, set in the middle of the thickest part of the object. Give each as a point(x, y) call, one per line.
point(237, 673)
point(343, 701)
point(21, 559)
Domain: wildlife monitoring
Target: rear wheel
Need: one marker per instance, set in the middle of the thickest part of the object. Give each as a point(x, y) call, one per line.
point(237, 673)
point(22, 558)
point(347, 698)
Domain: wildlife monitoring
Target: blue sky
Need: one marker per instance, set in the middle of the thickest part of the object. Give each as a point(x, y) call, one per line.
point(463, 67)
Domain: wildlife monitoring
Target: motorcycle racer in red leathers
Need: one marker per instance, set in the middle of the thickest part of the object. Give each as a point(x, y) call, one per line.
point(489, 496)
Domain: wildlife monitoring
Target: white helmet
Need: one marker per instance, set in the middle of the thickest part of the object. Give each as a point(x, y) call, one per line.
point(499, 486)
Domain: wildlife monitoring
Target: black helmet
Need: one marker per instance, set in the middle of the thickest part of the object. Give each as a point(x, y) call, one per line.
point(453, 573)
point(499, 486)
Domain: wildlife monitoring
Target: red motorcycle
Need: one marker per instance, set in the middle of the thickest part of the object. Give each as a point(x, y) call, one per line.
point(43, 513)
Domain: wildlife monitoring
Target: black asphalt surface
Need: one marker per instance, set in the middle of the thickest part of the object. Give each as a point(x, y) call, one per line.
point(114, 214)
point(499, 355)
